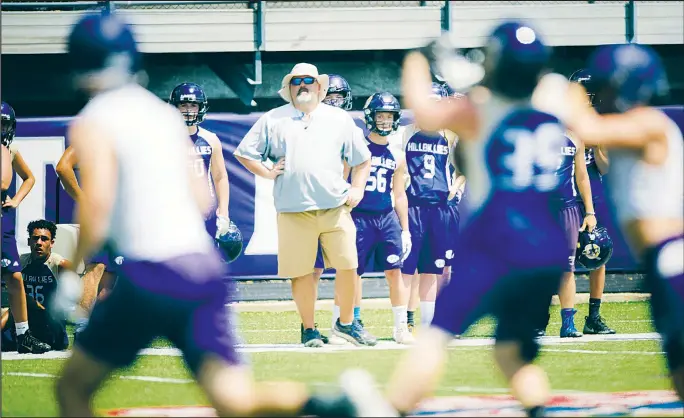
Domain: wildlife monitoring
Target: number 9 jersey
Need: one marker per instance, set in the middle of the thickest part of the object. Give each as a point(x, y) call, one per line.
point(427, 165)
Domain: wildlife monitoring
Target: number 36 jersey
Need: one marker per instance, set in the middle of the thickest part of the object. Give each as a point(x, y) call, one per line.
point(40, 276)
point(427, 165)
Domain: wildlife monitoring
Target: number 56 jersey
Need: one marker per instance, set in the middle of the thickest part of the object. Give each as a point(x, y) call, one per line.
point(427, 165)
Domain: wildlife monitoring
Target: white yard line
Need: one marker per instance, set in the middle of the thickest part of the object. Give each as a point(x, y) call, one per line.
point(142, 378)
point(382, 345)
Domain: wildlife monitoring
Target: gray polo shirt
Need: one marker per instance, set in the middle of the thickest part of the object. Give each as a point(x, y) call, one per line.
point(313, 151)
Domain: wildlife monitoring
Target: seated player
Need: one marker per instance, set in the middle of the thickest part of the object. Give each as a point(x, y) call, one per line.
point(427, 161)
point(10, 268)
point(382, 230)
point(39, 269)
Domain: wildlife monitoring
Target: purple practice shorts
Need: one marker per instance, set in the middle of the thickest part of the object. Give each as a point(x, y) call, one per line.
point(182, 299)
point(430, 239)
point(378, 235)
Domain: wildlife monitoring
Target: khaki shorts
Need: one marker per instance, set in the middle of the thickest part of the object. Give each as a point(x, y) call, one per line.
point(298, 235)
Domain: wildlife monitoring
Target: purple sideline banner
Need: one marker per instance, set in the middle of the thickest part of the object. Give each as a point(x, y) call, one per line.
point(42, 141)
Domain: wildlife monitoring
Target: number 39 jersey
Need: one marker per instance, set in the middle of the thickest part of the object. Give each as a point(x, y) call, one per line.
point(201, 164)
point(378, 193)
point(427, 164)
point(512, 168)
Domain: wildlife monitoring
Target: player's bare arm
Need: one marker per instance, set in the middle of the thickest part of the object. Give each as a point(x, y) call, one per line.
point(220, 176)
point(67, 174)
point(584, 187)
point(99, 173)
point(640, 128)
point(22, 169)
point(601, 158)
point(459, 116)
point(7, 172)
point(399, 192)
point(65, 264)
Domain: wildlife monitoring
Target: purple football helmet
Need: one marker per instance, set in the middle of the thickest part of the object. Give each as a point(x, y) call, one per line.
point(338, 85)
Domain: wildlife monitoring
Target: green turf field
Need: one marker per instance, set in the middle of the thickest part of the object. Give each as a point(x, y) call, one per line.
point(579, 366)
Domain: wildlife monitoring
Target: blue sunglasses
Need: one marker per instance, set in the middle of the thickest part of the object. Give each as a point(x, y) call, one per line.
point(296, 81)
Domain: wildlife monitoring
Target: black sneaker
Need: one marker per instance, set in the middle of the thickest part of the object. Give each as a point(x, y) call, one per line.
point(353, 333)
point(28, 344)
point(595, 325)
point(311, 337)
point(322, 337)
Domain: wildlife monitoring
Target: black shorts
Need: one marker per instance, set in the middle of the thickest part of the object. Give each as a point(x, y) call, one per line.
point(42, 326)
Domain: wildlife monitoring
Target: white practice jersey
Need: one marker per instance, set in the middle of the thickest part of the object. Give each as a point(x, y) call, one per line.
point(155, 216)
point(644, 191)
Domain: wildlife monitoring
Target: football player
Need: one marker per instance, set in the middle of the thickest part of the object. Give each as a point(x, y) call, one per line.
point(173, 278)
point(513, 246)
point(208, 164)
point(646, 185)
point(382, 230)
point(429, 189)
point(9, 259)
point(574, 180)
point(597, 163)
point(458, 184)
point(40, 269)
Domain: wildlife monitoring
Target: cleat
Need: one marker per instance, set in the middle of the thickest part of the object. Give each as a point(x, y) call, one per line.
point(595, 325)
point(28, 344)
point(369, 337)
point(401, 335)
point(411, 327)
point(354, 333)
point(568, 329)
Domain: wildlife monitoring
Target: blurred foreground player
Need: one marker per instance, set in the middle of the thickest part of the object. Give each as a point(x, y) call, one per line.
point(10, 268)
point(512, 250)
point(646, 185)
point(171, 284)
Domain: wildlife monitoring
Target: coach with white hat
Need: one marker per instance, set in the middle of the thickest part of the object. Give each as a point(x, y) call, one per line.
point(308, 143)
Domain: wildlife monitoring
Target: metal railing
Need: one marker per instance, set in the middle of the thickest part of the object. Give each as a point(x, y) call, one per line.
point(258, 6)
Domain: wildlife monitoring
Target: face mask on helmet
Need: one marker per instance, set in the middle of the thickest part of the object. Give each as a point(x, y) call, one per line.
point(337, 100)
point(384, 122)
point(8, 129)
point(190, 112)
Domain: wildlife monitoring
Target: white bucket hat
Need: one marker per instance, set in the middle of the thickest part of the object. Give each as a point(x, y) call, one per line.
point(301, 70)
